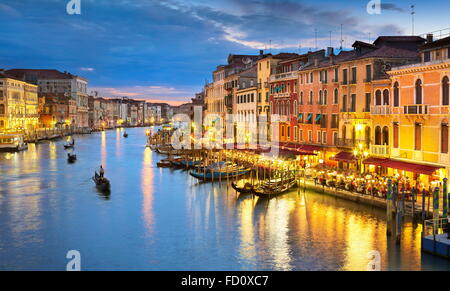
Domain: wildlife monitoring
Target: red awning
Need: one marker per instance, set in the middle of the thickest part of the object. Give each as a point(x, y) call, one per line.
point(403, 166)
point(411, 167)
point(345, 157)
point(375, 161)
point(310, 148)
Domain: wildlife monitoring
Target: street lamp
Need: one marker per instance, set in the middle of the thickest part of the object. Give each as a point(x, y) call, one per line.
point(360, 153)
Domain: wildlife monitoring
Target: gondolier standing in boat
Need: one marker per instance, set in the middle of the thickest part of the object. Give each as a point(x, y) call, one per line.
point(102, 171)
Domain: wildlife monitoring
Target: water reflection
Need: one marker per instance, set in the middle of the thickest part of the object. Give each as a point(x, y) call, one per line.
point(162, 219)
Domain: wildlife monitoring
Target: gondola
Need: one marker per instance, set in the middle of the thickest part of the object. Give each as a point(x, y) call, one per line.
point(190, 164)
point(71, 158)
point(69, 146)
point(215, 175)
point(125, 135)
point(101, 183)
point(274, 189)
point(245, 189)
point(164, 163)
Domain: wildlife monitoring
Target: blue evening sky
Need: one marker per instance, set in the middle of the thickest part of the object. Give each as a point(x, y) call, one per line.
point(165, 50)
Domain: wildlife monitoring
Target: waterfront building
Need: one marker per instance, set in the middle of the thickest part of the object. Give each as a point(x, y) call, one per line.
point(245, 112)
point(56, 82)
point(18, 104)
point(265, 65)
point(417, 114)
point(59, 111)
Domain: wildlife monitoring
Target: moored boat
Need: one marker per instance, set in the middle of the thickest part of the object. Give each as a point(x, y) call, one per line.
point(164, 163)
point(217, 174)
point(101, 183)
point(12, 143)
point(243, 188)
point(269, 190)
point(71, 158)
point(125, 135)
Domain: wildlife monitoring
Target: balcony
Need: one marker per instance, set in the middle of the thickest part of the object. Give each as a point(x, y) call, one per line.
point(380, 110)
point(415, 109)
point(380, 150)
point(350, 143)
point(282, 95)
point(284, 76)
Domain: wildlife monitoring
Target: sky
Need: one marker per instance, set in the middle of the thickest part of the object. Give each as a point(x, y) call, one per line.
point(166, 50)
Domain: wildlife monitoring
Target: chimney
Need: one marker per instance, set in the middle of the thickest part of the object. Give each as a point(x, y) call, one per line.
point(330, 51)
point(429, 38)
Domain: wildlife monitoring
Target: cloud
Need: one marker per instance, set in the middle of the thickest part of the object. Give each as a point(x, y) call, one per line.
point(87, 69)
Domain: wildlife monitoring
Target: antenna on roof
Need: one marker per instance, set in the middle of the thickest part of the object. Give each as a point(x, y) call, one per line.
point(413, 12)
point(315, 38)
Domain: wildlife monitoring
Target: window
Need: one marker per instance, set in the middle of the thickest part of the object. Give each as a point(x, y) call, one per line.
point(288, 131)
point(311, 96)
point(267, 96)
point(336, 75)
point(259, 96)
point(325, 97)
point(324, 137)
point(2, 109)
point(324, 121)
point(378, 136)
point(311, 77)
point(386, 97)
point(295, 133)
point(301, 98)
point(368, 100)
point(300, 134)
point(444, 138)
point(310, 136)
point(282, 131)
point(419, 92)
point(335, 138)
point(336, 96)
point(345, 76)
point(354, 75)
point(396, 135)
point(427, 56)
point(344, 103)
point(320, 97)
point(295, 109)
point(335, 121)
point(378, 98)
point(368, 73)
point(385, 135)
point(319, 137)
point(396, 95)
point(353, 103)
point(445, 91)
point(418, 137)
point(1, 94)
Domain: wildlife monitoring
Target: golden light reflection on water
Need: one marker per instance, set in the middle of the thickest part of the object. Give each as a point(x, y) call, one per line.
point(104, 150)
point(247, 242)
point(118, 149)
point(147, 180)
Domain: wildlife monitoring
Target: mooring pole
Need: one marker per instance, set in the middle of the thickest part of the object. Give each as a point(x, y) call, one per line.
point(389, 209)
point(445, 199)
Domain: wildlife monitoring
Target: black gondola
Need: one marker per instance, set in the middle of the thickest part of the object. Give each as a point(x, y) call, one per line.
point(71, 158)
point(102, 183)
point(274, 189)
point(245, 189)
point(125, 135)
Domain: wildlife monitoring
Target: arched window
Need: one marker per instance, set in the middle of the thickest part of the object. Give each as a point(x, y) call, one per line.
point(295, 109)
point(445, 92)
point(336, 96)
point(385, 135)
point(311, 97)
point(320, 97)
point(288, 108)
point(419, 90)
point(378, 97)
point(396, 135)
point(444, 138)
point(378, 135)
point(2, 109)
point(325, 97)
point(386, 97)
point(344, 133)
point(367, 135)
point(301, 98)
point(396, 95)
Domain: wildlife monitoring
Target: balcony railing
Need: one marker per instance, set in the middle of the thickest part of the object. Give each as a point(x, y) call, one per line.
point(282, 95)
point(284, 76)
point(380, 150)
point(351, 143)
point(415, 109)
point(381, 110)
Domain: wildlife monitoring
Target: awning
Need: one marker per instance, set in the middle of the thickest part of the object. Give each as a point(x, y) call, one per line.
point(300, 116)
point(309, 117)
point(411, 167)
point(403, 166)
point(345, 157)
point(375, 161)
point(319, 117)
point(310, 148)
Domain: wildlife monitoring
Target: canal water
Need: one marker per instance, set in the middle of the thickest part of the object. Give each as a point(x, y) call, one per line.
point(163, 219)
